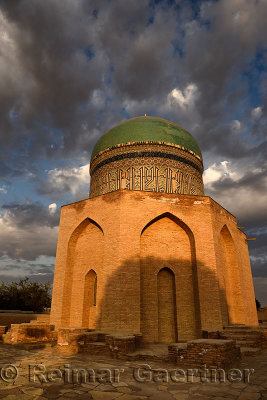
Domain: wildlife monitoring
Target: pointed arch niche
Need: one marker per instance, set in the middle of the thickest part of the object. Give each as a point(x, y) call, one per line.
point(232, 285)
point(168, 264)
point(89, 299)
point(167, 314)
point(84, 259)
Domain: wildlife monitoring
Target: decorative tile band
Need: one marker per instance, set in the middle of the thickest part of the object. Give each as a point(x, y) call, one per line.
point(145, 154)
point(147, 177)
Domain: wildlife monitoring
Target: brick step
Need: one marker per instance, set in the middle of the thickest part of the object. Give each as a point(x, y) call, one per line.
point(250, 335)
point(35, 345)
point(241, 334)
point(242, 331)
point(247, 343)
point(96, 337)
point(95, 348)
point(250, 351)
point(143, 355)
point(240, 327)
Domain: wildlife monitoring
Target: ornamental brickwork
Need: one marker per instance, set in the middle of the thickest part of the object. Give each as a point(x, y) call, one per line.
point(147, 167)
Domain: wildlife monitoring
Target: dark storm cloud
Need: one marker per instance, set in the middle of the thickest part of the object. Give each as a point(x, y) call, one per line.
point(26, 216)
point(28, 231)
point(63, 51)
point(69, 70)
point(41, 278)
point(259, 268)
point(53, 76)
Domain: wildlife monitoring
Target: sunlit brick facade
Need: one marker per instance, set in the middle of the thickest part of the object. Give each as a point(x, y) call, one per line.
point(148, 251)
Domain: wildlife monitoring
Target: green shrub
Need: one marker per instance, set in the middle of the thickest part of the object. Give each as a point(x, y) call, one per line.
point(25, 295)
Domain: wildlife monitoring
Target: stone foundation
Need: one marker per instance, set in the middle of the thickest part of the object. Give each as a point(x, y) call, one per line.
point(3, 330)
point(81, 340)
point(246, 337)
point(30, 332)
point(210, 352)
point(263, 338)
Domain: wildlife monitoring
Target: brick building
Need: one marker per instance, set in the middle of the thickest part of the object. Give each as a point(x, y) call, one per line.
point(148, 251)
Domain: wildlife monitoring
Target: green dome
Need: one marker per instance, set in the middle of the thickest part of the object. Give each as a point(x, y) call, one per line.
point(147, 129)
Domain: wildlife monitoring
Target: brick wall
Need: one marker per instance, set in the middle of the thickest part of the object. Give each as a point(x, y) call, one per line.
point(30, 332)
point(126, 237)
point(210, 352)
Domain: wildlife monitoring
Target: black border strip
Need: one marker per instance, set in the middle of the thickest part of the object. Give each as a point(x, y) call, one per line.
point(149, 154)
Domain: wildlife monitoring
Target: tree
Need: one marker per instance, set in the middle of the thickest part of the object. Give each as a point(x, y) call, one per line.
point(258, 304)
point(25, 295)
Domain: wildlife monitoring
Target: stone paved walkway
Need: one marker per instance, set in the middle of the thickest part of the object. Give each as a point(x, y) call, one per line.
point(47, 374)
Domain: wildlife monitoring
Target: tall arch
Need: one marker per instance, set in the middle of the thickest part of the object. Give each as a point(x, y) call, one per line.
point(167, 314)
point(167, 242)
point(85, 247)
point(232, 285)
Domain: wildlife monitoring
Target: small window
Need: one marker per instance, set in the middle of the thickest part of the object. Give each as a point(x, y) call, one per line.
point(95, 290)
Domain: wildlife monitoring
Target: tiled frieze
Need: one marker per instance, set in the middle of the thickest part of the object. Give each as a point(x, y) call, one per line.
point(147, 168)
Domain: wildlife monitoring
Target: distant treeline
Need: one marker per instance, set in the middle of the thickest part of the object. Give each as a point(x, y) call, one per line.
point(25, 295)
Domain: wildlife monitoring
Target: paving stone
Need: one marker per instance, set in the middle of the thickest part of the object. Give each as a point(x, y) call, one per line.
point(89, 386)
point(124, 389)
point(239, 385)
point(119, 384)
point(71, 395)
point(249, 396)
point(222, 397)
point(104, 395)
point(22, 380)
point(132, 397)
point(162, 387)
point(253, 388)
point(138, 390)
point(20, 396)
point(179, 395)
point(32, 391)
point(106, 388)
point(9, 390)
point(200, 397)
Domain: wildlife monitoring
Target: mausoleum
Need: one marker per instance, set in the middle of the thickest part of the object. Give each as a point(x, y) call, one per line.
point(148, 252)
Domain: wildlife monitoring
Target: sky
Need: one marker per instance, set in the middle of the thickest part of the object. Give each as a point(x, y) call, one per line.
point(72, 69)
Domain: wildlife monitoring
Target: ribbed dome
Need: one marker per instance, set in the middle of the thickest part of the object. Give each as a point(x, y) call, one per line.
point(147, 129)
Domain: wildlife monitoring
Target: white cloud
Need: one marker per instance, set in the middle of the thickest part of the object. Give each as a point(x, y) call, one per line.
point(74, 179)
point(184, 98)
point(98, 98)
point(52, 208)
point(3, 190)
point(218, 171)
point(256, 112)
point(236, 125)
point(240, 198)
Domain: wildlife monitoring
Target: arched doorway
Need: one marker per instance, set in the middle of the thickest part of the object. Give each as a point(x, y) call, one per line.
point(89, 299)
point(167, 320)
point(167, 250)
point(85, 247)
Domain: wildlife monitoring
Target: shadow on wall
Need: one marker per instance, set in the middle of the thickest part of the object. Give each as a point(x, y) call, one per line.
point(168, 297)
point(158, 297)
